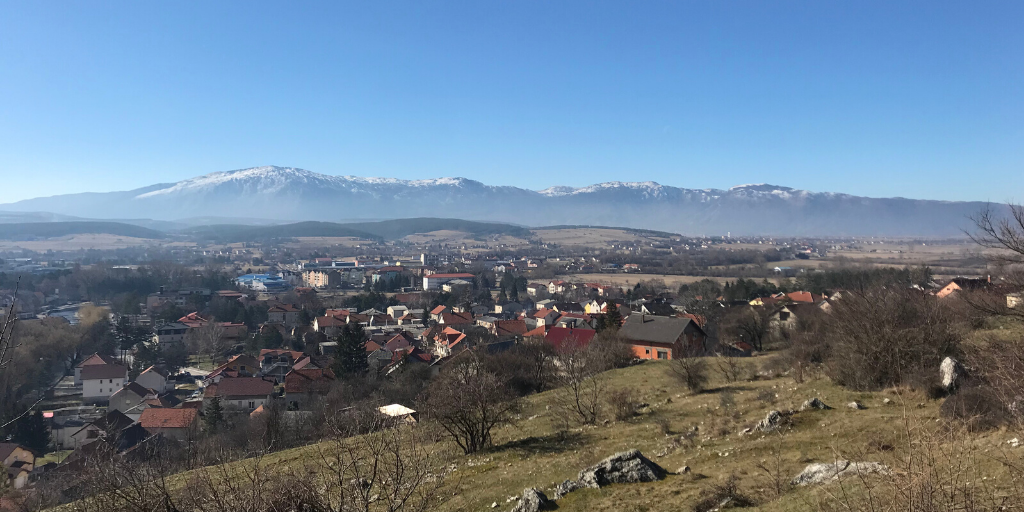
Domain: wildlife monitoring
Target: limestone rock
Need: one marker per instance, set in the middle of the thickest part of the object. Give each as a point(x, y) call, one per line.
point(856, 405)
point(565, 488)
point(771, 422)
point(951, 372)
point(533, 500)
point(622, 468)
point(826, 472)
point(814, 403)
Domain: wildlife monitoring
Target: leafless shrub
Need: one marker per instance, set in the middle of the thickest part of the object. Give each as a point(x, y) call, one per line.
point(583, 385)
point(469, 402)
point(622, 402)
point(729, 367)
point(767, 397)
point(691, 371)
point(726, 493)
point(771, 472)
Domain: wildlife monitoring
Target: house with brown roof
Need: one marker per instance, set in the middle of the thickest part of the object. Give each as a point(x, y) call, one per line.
point(454, 319)
point(963, 283)
point(156, 379)
point(564, 337)
point(330, 326)
point(300, 386)
point(178, 424)
point(92, 360)
point(100, 381)
point(131, 400)
point(18, 461)
point(285, 314)
point(509, 328)
point(241, 392)
point(240, 365)
point(662, 337)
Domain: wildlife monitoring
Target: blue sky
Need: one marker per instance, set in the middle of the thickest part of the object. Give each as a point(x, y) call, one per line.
point(916, 99)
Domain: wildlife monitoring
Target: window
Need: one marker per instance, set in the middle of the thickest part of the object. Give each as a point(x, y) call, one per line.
point(662, 354)
point(252, 405)
point(647, 351)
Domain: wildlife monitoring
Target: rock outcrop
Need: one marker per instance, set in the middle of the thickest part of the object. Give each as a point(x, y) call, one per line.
point(826, 472)
point(951, 373)
point(814, 403)
point(533, 500)
point(622, 468)
point(771, 422)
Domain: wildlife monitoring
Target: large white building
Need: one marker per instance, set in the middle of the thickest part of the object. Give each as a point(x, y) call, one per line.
point(100, 381)
point(435, 281)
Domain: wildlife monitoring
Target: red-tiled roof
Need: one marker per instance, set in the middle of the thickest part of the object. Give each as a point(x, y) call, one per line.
point(283, 308)
point(457, 318)
point(559, 336)
point(510, 327)
point(96, 359)
point(240, 387)
point(438, 310)
point(329, 321)
point(301, 381)
point(154, 418)
point(539, 331)
point(451, 275)
point(295, 355)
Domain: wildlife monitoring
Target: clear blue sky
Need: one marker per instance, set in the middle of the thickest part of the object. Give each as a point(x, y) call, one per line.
point(919, 99)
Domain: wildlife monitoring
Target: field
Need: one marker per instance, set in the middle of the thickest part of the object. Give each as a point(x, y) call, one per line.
point(79, 242)
point(628, 280)
point(588, 237)
point(705, 432)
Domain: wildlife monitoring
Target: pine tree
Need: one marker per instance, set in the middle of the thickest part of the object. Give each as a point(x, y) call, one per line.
point(612, 317)
point(213, 415)
point(32, 432)
point(350, 357)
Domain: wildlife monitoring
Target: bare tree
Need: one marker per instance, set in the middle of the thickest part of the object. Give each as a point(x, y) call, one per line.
point(754, 327)
point(580, 367)
point(469, 402)
point(1004, 234)
point(208, 339)
point(7, 344)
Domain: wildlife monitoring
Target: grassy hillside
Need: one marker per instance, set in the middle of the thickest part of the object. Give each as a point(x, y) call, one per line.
point(398, 228)
point(24, 230)
point(538, 453)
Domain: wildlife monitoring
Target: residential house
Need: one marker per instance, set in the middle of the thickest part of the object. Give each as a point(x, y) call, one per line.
point(538, 290)
point(169, 335)
point(567, 337)
point(963, 283)
point(437, 313)
point(457, 286)
point(105, 427)
point(100, 381)
point(241, 392)
point(276, 363)
point(454, 319)
point(662, 337)
point(156, 379)
point(177, 424)
point(130, 400)
point(300, 384)
point(18, 461)
point(508, 309)
point(557, 286)
point(595, 307)
point(285, 314)
point(397, 312)
point(546, 317)
point(509, 329)
point(240, 365)
point(568, 307)
point(92, 360)
point(330, 326)
point(1013, 300)
point(448, 342)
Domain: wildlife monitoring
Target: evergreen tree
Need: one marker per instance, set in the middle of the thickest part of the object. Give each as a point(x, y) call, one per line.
point(213, 415)
point(32, 432)
point(612, 318)
point(350, 357)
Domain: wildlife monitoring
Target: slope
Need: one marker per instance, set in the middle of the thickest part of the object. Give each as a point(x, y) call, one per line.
point(24, 230)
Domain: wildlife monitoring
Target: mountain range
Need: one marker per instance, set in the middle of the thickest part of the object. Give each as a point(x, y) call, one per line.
point(287, 194)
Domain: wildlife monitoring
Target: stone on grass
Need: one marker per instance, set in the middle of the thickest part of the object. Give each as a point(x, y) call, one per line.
point(828, 471)
point(533, 500)
point(951, 372)
point(814, 403)
point(856, 405)
point(565, 488)
point(683, 470)
point(771, 422)
point(622, 468)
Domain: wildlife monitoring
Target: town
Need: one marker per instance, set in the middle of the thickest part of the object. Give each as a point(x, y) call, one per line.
point(231, 343)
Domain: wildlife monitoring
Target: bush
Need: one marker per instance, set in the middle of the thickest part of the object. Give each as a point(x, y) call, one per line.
point(881, 338)
point(622, 403)
point(979, 407)
point(712, 497)
point(692, 372)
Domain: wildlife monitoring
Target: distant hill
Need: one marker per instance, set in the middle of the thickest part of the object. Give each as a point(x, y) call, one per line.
point(388, 229)
point(289, 194)
point(28, 230)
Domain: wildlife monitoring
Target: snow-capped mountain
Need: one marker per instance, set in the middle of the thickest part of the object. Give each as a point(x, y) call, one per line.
point(286, 193)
